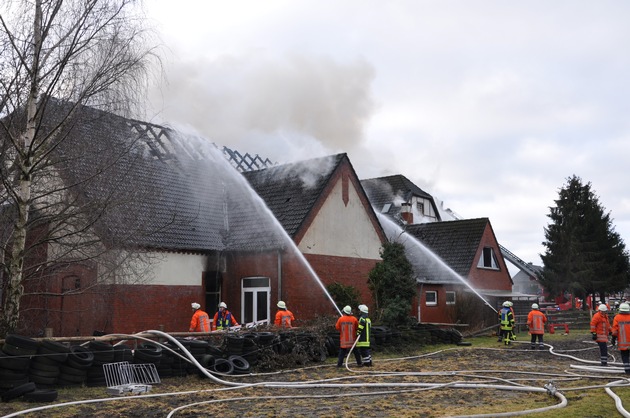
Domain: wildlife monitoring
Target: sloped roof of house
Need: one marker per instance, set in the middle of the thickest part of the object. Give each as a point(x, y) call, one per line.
point(453, 242)
point(291, 190)
point(153, 187)
point(392, 190)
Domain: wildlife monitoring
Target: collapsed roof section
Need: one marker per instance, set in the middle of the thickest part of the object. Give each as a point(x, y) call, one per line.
point(149, 186)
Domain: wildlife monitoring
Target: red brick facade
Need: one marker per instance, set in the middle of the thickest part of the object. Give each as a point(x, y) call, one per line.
point(301, 291)
point(478, 278)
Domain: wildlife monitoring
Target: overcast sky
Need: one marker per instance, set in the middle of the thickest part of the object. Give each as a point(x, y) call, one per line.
point(488, 106)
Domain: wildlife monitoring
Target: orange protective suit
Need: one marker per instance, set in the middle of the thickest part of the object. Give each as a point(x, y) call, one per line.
point(200, 322)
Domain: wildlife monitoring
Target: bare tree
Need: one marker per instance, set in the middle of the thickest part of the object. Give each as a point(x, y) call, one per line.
point(56, 57)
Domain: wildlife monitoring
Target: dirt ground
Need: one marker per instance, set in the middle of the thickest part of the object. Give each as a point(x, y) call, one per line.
point(446, 380)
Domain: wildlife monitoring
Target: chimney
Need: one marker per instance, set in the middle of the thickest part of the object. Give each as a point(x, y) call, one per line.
point(405, 212)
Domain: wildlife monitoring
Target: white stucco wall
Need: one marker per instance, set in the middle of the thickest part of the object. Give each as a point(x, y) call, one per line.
point(178, 269)
point(340, 230)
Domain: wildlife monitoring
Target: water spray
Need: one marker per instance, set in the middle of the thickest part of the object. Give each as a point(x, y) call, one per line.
point(394, 232)
point(240, 184)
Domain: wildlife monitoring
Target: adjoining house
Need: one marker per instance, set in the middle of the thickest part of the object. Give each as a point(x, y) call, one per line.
point(470, 267)
point(456, 262)
point(170, 222)
point(400, 199)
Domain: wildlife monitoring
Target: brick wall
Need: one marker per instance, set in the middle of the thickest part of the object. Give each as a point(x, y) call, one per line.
point(141, 307)
point(300, 290)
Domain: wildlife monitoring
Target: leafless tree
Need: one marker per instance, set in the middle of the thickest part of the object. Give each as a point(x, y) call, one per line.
point(56, 57)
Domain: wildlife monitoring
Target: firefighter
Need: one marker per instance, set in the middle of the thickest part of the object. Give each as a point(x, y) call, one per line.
point(347, 326)
point(506, 322)
point(600, 328)
point(223, 319)
point(363, 334)
point(621, 334)
point(283, 316)
point(536, 321)
point(200, 321)
point(513, 333)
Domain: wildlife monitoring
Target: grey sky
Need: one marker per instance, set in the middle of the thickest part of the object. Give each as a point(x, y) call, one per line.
point(487, 105)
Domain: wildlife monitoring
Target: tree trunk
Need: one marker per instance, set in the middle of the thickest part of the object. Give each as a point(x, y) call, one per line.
point(15, 288)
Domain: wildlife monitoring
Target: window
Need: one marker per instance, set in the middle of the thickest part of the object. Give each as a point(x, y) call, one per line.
point(420, 207)
point(255, 297)
point(450, 298)
point(431, 298)
point(488, 260)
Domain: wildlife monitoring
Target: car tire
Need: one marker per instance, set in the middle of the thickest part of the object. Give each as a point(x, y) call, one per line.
point(41, 395)
point(18, 391)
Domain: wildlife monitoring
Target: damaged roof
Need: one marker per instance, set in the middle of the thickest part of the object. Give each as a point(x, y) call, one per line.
point(386, 193)
point(150, 186)
point(291, 190)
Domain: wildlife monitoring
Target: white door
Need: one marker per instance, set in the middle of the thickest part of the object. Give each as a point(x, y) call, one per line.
point(255, 297)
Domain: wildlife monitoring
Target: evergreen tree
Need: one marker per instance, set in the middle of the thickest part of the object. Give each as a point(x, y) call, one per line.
point(392, 285)
point(584, 255)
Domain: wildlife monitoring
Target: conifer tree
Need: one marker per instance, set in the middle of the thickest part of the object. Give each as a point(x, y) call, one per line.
point(584, 255)
point(392, 284)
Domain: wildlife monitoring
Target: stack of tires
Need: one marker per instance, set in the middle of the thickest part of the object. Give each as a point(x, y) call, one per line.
point(178, 366)
point(148, 353)
point(250, 348)
point(234, 344)
point(332, 343)
point(123, 352)
point(287, 342)
point(46, 365)
point(15, 363)
point(75, 369)
point(266, 339)
point(103, 354)
point(382, 335)
point(199, 350)
point(15, 360)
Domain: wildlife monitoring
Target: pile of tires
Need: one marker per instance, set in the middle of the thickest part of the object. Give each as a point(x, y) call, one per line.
point(332, 343)
point(172, 361)
point(75, 369)
point(382, 335)
point(103, 354)
point(198, 349)
point(266, 339)
point(15, 367)
point(251, 348)
point(46, 364)
point(15, 360)
point(234, 344)
point(148, 353)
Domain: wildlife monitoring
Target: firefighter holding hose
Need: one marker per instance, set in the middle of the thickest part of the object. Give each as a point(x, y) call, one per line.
point(347, 326)
point(363, 334)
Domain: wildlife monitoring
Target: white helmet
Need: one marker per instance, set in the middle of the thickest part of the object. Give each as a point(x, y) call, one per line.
point(624, 307)
point(510, 304)
point(534, 306)
point(195, 305)
point(506, 304)
point(347, 310)
point(363, 308)
point(282, 305)
point(603, 308)
point(222, 305)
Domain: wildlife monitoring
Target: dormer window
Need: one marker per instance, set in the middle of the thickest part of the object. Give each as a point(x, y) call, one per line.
point(488, 259)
